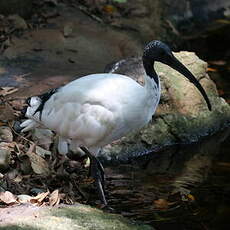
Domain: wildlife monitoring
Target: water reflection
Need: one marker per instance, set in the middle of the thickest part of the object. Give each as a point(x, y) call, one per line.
point(157, 188)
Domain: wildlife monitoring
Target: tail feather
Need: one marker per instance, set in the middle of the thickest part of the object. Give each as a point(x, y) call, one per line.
point(34, 110)
point(30, 112)
point(33, 105)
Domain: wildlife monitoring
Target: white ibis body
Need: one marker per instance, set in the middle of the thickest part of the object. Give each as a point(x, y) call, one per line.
point(97, 109)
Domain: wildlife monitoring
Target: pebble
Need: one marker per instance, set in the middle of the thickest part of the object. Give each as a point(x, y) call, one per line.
point(4, 157)
point(5, 134)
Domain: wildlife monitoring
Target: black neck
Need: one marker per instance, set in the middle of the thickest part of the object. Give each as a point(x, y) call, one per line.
point(150, 71)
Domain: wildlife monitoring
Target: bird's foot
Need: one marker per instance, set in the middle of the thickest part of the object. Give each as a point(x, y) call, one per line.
point(97, 172)
point(107, 208)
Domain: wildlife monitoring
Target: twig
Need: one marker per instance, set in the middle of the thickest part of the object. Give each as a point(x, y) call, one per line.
point(86, 11)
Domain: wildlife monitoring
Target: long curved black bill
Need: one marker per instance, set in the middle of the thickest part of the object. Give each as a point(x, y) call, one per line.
point(178, 66)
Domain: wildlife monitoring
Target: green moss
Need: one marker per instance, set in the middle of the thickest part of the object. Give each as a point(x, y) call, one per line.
point(80, 217)
point(90, 218)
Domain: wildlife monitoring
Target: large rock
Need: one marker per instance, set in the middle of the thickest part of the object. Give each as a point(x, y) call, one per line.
point(182, 115)
point(79, 217)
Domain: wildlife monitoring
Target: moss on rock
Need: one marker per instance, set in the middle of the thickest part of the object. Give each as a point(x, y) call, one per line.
point(80, 217)
point(182, 115)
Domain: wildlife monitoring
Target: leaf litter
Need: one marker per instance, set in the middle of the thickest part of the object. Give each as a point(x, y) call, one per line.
point(35, 172)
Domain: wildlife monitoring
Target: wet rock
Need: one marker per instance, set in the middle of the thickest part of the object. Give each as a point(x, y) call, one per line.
point(182, 115)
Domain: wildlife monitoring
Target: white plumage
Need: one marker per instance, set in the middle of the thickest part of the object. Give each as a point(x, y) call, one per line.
point(95, 110)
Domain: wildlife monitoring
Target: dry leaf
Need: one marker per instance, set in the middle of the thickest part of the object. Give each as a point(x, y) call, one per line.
point(110, 9)
point(38, 164)
point(54, 198)
point(211, 69)
point(191, 197)
point(39, 198)
point(7, 113)
point(7, 197)
point(161, 204)
point(6, 134)
point(7, 90)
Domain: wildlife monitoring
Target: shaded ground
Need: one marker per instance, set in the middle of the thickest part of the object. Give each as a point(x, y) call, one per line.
point(71, 45)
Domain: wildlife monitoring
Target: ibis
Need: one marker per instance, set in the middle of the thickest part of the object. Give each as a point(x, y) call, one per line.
point(97, 109)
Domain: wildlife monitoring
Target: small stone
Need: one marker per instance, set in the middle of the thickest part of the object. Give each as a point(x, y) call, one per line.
point(23, 198)
point(42, 152)
point(4, 156)
point(16, 126)
point(6, 134)
point(43, 137)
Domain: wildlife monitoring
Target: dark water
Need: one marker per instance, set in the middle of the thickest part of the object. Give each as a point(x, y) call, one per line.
point(214, 48)
point(181, 187)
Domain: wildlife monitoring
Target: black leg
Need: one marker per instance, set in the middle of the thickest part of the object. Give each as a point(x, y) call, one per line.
point(97, 172)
